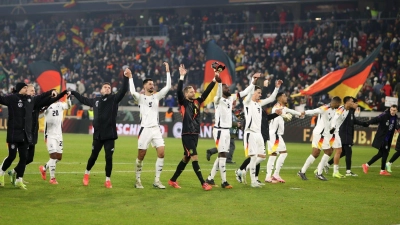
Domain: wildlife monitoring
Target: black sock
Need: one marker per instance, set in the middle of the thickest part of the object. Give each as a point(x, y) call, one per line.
point(375, 158)
point(197, 170)
point(257, 169)
point(179, 169)
point(394, 157)
point(385, 155)
point(349, 153)
point(245, 163)
point(330, 162)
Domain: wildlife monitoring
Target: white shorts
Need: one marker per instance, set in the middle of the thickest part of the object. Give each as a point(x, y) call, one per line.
point(337, 142)
point(222, 139)
point(54, 145)
point(322, 142)
point(276, 144)
point(253, 144)
point(149, 135)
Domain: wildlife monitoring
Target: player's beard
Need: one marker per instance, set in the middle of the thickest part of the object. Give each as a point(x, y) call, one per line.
point(226, 93)
point(150, 90)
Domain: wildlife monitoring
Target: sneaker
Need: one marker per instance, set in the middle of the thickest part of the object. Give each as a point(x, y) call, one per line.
point(158, 185)
point(255, 185)
point(53, 181)
point(20, 184)
point(206, 187)
point(25, 182)
point(389, 167)
point(365, 168)
point(173, 184)
point(338, 175)
point(86, 179)
point(302, 175)
point(270, 180)
point(226, 185)
point(385, 173)
point(138, 184)
point(2, 181)
point(320, 177)
point(108, 184)
point(238, 174)
point(43, 172)
point(260, 183)
point(13, 176)
point(208, 155)
point(351, 174)
point(326, 168)
point(211, 182)
point(278, 178)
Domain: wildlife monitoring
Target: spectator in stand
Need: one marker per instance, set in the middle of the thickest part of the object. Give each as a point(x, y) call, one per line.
point(387, 89)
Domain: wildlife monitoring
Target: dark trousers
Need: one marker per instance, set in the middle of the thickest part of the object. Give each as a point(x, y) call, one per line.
point(22, 148)
point(348, 152)
point(232, 148)
point(97, 145)
point(31, 154)
point(383, 153)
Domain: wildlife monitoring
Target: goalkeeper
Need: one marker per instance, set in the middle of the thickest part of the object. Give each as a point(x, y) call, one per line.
point(276, 143)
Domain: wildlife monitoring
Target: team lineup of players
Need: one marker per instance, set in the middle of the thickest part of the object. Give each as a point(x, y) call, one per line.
point(333, 132)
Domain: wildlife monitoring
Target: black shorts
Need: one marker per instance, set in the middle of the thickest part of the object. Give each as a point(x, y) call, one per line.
point(189, 142)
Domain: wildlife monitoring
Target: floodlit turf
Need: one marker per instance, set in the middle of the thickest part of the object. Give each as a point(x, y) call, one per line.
point(367, 199)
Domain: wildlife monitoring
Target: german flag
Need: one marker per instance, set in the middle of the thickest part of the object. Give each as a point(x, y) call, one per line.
point(87, 50)
point(364, 105)
point(78, 41)
point(70, 4)
point(106, 26)
point(61, 36)
point(97, 31)
point(215, 54)
point(75, 29)
point(343, 82)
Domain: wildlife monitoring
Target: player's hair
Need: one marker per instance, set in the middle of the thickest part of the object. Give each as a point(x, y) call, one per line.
point(186, 89)
point(347, 98)
point(279, 94)
point(256, 87)
point(355, 100)
point(393, 106)
point(147, 80)
point(106, 83)
point(337, 99)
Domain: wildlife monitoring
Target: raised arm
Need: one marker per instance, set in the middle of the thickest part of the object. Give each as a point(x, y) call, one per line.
point(48, 101)
point(293, 112)
point(377, 119)
point(42, 97)
point(207, 91)
point(271, 98)
point(132, 89)
point(83, 100)
point(182, 72)
point(125, 86)
point(5, 100)
point(163, 92)
point(219, 90)
point(314, 111)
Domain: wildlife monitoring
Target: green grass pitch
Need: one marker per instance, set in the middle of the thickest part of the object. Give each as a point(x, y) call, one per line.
point(366, 199)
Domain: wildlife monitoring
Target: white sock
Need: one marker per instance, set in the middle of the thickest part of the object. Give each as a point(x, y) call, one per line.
point(252, 167)
point(367, 164)
point(139, 165)
point(348, 171)
point(382, 170)
point(279, 163)
point(389, 163)
point(222, 168)
point(52, 167)
point(108, 179)
point(259, 160)
point(324, 160)
point(335, 168)
point(19, 179)
point(159, 168)
point(214, 169)
point(307, 164)
point(2, 172)
point(87, 171)
point(270, 166)
point(1, 166)
point(47, 165)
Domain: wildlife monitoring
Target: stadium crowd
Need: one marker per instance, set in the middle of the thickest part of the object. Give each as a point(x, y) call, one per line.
point(299, 54)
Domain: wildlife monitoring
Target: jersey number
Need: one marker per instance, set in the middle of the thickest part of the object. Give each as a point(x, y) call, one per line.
point(229, 106)
point(60, 143)
point(150, 104)
point(55, 113)
point(258, 110)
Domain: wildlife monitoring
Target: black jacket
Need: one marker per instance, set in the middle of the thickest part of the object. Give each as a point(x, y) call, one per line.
point(265, 124)
point(105, 109)
point(383, 129)
point(35, 114)
point(346, 130)
point(20, 108)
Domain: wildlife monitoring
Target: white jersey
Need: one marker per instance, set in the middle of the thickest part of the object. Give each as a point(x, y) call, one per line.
point(54, 117)
point(338, 118)
point(277, 125)
point(148, 104)
point(223, 106)
point(323, 125)
point(253, 111)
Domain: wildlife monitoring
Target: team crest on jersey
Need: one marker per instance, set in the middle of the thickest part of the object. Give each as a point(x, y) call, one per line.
point(97, 103)
point(29, 100)
point(387, 123)
point(12, 146)
point(104, 99)
point(20, 104)
point(112, 149)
